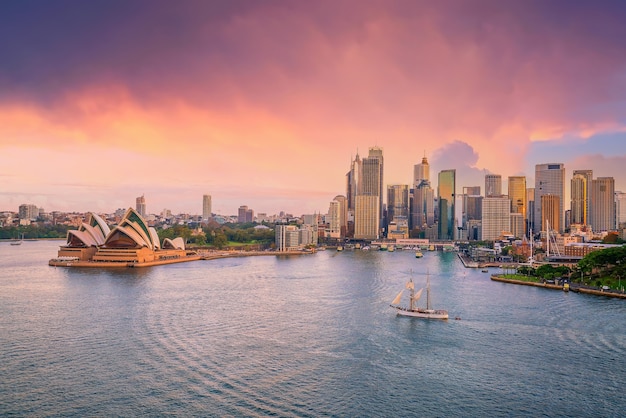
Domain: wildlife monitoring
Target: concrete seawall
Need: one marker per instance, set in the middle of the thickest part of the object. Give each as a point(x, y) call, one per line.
point(558, 287)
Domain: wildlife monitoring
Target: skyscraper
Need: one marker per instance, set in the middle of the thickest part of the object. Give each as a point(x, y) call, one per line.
point(423, 211)
point(397, 201)
point(496, 217)
point(517, 194)
point(530, 210)
point(493, 185)
point(620, 210)
point(421, 172)
point(603, 204)
point(446, 190)
point(206, 207)
point(140, 206)
point(580, 199)
point(353, 181)
point(549, 180)
point(376, 153)
point(551, 215)
point(369, 189)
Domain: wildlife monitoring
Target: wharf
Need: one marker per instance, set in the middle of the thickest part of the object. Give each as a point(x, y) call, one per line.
point(57, 262)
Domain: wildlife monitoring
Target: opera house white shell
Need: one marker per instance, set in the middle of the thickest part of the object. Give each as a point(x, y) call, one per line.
point(131, 241)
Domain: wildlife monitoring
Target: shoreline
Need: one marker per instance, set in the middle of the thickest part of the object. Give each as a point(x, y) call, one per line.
point(572, 288)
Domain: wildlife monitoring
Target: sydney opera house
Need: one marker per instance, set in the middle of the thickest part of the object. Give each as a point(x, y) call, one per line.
point(132, 243)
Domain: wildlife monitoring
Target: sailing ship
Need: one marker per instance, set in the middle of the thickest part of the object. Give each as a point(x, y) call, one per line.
point(18, 241)
point(413, 310)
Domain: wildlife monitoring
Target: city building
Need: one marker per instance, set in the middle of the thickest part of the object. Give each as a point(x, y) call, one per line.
point(334, 220)
point(397, 202)
point(446, 190)
point(549, 180)
point(421, 172)
point(580, 198)
point(517, 194)
point(423, 209)
point(603, 204)
point(620, 210)
point(206, 207)
point(287, 238)
point(493, 185)
point(27, 212)
point(140, 205)
point(550, 213)
point(496, 217)
point(530, 210)
point(366, 217)
point(368, 202)
point(343, 214)
point(245, 214)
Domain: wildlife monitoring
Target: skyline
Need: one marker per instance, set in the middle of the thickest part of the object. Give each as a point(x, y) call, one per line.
point(264, 104)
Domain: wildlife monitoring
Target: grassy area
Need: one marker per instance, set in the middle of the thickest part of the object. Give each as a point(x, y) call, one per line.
point(522, 278)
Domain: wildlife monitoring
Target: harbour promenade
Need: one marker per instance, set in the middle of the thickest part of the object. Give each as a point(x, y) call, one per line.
point(574, 287)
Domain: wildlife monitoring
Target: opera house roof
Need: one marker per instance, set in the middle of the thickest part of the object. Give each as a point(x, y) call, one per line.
point(131, 232)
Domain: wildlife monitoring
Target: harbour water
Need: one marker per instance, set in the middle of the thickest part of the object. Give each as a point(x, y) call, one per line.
point(299, 336)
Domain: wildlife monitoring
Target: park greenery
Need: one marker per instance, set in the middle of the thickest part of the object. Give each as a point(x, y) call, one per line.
point(34, 231)
point(599, 268)
point(218, 236)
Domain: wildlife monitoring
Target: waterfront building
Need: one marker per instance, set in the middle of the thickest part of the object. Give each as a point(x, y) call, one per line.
point(496, 217)
point(549, 180)
point(343, 214)
point(366, 217)
point(334, 220)
point(493, 185)
point(446, 190)
point(603, 204)
point(206, 207)
point(287, 238)
point(131, 241)
point(140, 205)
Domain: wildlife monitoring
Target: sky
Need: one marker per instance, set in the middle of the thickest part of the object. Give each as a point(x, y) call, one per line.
point(265, 103)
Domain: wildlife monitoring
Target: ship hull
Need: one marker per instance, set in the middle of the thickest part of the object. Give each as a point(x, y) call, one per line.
point(422, 313)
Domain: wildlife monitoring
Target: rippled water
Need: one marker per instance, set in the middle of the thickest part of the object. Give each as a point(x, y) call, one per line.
point(299, 336)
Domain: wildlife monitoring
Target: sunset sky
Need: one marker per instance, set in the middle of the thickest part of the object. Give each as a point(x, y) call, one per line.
point(264, 103)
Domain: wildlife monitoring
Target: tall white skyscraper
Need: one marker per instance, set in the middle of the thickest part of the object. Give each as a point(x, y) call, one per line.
point(206, 207)
point(549, 180)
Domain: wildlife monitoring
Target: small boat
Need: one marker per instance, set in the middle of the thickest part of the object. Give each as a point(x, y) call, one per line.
point(18, 241)
point(340, 248)
point(418, 254)
point(566, 287)
point(391, 248)
point(413, 310)
point(485, 271)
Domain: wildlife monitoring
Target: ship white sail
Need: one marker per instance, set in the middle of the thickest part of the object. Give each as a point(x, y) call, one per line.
point(410, 285)
point(396, 301)
point(418, 295)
